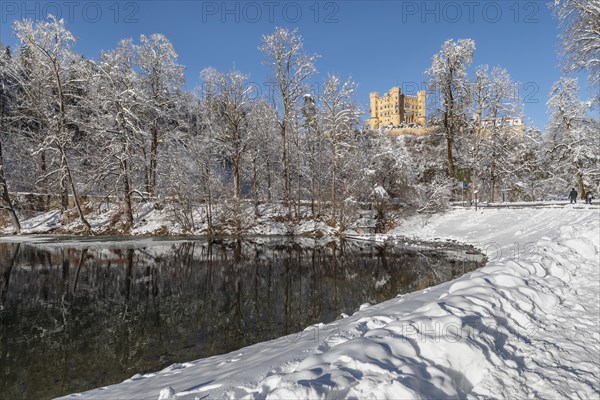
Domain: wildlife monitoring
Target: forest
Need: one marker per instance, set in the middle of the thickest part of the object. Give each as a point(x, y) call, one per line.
point(121, 128)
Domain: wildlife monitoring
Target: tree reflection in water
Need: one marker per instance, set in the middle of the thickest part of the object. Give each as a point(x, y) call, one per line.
point(75, 315)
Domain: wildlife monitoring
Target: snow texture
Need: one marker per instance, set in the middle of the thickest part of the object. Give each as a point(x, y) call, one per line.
point(526, 325)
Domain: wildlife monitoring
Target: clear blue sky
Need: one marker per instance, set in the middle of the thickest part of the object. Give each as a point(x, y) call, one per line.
point(379, 43)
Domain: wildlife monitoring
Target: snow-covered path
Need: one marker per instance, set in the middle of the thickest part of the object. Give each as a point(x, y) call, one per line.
point(544, 278)
point(527, 325)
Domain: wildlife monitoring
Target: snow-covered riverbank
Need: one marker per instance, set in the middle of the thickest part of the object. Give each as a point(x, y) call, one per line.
point(524, 326)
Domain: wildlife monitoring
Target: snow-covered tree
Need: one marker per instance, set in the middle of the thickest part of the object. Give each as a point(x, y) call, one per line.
point(56, 79)
point(6, 101)
point(291, 67)
point(523, 167)
point(261, 155)
point(229, 103)
point(339, 116)
point(495, 105)
point(581, 36)
point(573, 136)
point(119, 126)
point(314, 153)
point(161, 81)
point(448, 77)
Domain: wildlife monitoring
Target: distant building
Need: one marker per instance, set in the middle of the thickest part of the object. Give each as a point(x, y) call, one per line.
point(395, 108)
point(514, 124)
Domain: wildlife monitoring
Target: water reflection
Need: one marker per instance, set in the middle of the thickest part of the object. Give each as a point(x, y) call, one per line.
point(81, 314)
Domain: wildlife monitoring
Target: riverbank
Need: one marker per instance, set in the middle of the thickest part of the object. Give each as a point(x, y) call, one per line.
point(169, 220)
point(524, 326)
point(160, 219)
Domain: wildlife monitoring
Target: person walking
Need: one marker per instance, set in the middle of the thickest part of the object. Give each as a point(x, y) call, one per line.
point(573, 196)
point(588, 197)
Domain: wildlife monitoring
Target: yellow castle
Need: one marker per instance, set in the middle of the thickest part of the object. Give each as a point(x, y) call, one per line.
point(395, 108)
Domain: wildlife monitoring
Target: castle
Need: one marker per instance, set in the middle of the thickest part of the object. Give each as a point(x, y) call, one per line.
point(395, 108)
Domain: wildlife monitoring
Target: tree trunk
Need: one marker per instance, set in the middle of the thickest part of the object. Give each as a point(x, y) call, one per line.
point(236, 193)
point(5, 194)
point(64, 194)
point(333, 178)
point(153, 159)
point(298, 177)
point(127, 196)
point(44, 180)
point(6, 197)
point(269, 180)
point(208, 201)
point(449, 143)
point(235, 161)
point(313, 169)
point(319, 177)
point(9, 205)
point(581, 185)
point(286, 170)
point(146, 171)
point(82, 218)
point(449, 125)
point(255, 185)
point(124, 166)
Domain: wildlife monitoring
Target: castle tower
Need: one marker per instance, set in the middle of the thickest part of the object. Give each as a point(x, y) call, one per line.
point(374, 120)
point(422, 106)
point(395, 108)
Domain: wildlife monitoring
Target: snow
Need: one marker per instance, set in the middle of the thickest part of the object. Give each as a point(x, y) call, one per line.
point(314, 228)
point(379, 191)
point(526, 325)
point(157, 220)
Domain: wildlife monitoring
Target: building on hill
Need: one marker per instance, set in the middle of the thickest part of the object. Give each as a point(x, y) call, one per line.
point(395, 108)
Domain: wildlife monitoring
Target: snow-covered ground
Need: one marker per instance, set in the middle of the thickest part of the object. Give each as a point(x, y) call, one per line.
point(524, 326)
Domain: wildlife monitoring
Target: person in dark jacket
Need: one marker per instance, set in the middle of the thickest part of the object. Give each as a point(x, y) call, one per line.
point(573, 196)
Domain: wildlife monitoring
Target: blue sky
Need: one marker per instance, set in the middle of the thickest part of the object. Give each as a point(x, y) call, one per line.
point(379, 43)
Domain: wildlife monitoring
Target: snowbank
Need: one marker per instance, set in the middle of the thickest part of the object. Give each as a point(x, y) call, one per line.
point(524, 326)
point(150, 219)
